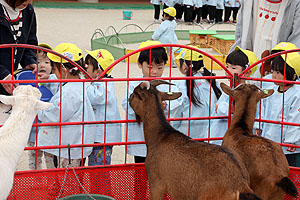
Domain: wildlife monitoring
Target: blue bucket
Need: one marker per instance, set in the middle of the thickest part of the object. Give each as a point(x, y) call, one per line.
point(127, 15)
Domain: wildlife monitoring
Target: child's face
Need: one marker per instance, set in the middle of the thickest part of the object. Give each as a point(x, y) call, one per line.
point(44, 64)
point(156, 69)
point(92, 72)
point(277, 75)
point(234, 68)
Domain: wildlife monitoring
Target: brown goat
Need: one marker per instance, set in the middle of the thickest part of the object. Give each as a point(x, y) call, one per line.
point(176, 164)
point(263, 158)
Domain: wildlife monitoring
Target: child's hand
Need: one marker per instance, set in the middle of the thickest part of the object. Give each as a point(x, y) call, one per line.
point(164, 105)
point(216, 108)
point(291, 149)
point(43, 75)
point(257, 132)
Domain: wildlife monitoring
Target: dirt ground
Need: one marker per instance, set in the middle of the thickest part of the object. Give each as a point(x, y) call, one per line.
point(76, 26)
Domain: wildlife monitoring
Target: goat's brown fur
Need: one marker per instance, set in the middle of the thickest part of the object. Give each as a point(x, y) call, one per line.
point(263, 158)
point(184, 168)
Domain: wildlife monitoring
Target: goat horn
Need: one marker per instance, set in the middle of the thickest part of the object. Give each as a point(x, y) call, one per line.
point(159, 82)
point(238, 86)
point(147, 84)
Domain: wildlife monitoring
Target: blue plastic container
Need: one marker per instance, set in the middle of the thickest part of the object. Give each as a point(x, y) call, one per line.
point(127, 14)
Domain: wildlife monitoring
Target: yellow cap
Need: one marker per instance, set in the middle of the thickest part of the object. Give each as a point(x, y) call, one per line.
point(47, 46)
point(68, 50)
point(103, 57)
point(149, 43)
point(170, 11)
point(252, 58)
point(187, 55)
point(292, 59)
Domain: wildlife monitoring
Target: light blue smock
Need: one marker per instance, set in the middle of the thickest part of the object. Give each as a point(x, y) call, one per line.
point(170, 3)
point(71, 111)
point(135, 132)
point(53, 87)
point(165, 33)
point(233, 3)
point(188, 2)
point(179, 1)
point(96, 92)
point(198, 3)
point(211, 2)
point(204, 2)
point(272, 110)
point(219, 127)
point(155, 2)
point(220, 5)
point(198, 128)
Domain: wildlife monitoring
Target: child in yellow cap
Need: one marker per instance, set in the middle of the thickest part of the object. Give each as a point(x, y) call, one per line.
point(284, 67)
point(236, 62)
point(165, 33)
point(105, 106)
point(196, 91)
point(151, 67)
point(70, 104)
point(44, 69)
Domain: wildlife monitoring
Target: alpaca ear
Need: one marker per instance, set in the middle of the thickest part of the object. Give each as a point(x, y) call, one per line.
point(226, 89)
point(266, 93)
point(170, 95)
point(43, 105)
point(8, 100)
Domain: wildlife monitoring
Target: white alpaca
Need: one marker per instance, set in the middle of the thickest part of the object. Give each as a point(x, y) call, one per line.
point(15, 131)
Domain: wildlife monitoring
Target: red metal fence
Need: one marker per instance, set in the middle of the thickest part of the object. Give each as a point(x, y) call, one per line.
point(116, 180)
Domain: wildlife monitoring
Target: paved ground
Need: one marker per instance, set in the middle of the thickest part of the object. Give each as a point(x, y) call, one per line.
point(77, 26)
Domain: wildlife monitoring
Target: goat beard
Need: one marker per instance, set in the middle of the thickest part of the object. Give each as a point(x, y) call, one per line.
point(138, 119)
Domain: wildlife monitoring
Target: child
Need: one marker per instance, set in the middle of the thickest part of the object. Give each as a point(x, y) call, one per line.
point(188, 11)
point(272, 107)
point(156, 4)
point(105, 106)
point(44, 67)
point(236, 62)
point(219, 11)
point(99, 93)
point(198, 11)
point(68, 104)
point(165, 33)
point(231, 5)
point(134, 132)
point(196, 91)
point(179, 10)
point(211, 9)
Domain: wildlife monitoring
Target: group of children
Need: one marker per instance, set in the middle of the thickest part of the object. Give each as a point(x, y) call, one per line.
point(197, 9)
point(77, 101)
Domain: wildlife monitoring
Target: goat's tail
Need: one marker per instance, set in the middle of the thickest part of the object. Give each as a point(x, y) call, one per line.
point(288, 186)
point(249, 196)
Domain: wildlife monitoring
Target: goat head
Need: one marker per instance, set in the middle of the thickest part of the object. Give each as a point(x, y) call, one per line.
point(146, 94)
point(246, 90)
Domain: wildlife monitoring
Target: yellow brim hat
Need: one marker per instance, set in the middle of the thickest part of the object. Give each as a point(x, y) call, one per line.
point(186, 54)
point(103, 57)
point(47, 46)
point(170, 11)
point(292, 59)
point(68, 50)
point(252, 58)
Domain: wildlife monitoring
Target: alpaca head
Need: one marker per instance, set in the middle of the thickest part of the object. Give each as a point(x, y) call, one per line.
point(25, 96)
point(146, 97)
point(246, 92)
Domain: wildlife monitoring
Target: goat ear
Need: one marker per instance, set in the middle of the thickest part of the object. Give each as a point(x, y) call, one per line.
point(171, 95)
point(43, 105)
point(266, 93)
point(226, 89)
point(8, 100)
